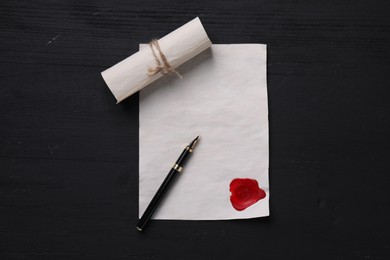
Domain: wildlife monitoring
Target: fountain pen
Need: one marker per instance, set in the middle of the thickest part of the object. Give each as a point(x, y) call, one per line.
point(176, 169)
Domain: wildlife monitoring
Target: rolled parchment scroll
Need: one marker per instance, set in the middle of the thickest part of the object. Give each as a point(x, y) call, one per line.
point(130, 75)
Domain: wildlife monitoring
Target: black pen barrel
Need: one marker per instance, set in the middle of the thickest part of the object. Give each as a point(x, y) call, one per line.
point(183, 158)
point(176, 169)
point(157, 198)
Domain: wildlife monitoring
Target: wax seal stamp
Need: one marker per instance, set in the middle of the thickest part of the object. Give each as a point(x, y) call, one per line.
point(244, 193)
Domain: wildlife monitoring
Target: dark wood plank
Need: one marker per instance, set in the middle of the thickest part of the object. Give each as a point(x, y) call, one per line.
point(69, 154)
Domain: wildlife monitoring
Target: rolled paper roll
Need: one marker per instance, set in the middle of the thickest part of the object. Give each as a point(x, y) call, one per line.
point(133, 73)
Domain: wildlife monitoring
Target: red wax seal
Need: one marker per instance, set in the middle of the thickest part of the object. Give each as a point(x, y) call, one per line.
point(245, 193)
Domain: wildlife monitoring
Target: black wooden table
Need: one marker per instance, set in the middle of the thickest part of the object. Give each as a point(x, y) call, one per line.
point(69, 154)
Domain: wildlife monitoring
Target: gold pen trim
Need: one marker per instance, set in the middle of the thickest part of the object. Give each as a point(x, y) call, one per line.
point(177, 167)
point(189, 149)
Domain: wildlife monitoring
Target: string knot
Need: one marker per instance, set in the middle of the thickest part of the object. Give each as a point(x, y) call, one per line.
point(162, 64)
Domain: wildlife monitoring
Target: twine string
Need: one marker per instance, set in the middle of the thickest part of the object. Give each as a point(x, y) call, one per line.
point(162, 64)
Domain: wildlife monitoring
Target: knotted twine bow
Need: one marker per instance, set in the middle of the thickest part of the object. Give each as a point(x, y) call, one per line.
point(162, 62)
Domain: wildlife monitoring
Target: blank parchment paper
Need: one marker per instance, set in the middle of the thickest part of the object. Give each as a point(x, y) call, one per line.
point(222, 98)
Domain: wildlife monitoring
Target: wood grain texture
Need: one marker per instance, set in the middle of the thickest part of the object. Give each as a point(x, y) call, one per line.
point(69, 155)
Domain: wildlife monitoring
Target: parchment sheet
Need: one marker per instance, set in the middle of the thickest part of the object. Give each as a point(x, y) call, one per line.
point(223, 98)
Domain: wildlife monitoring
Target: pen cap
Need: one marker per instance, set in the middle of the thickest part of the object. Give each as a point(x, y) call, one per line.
point(131, 75)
